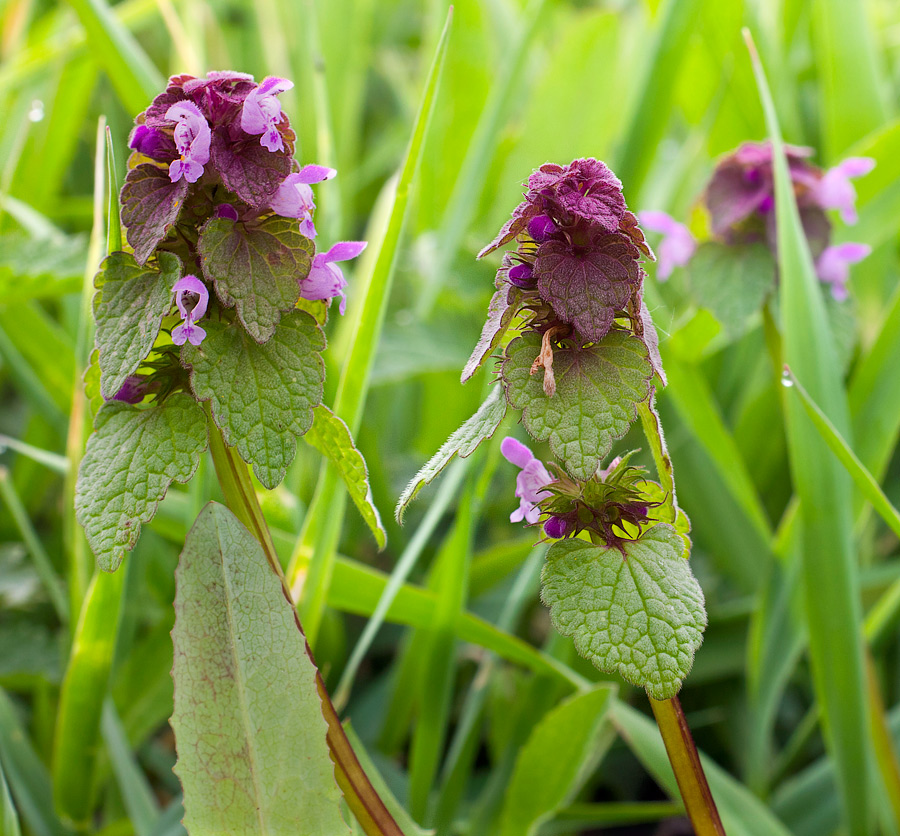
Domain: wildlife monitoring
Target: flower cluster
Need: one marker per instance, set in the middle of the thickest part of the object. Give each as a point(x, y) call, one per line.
point(613, 506)
point(740, 198)
point(576, 270)
point(213, 148)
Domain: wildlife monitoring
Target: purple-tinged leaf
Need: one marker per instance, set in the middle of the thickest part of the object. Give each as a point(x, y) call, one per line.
point(651, 340)
point(629, 226)
point(129, 305)
point(151, 203)
point(248, 169)
point(585, 188)
point(257, 268)
point(586, 286)
point(501, 310)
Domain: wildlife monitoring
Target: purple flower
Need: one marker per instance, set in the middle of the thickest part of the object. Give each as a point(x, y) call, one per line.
point(556, 527)
point(835, 191)
point(521, 275)
point(192, 136)
point(150, 142)
point(262, 112)
point(133, 389)
point(191, 297)
point(585, 188)
point(294, 198)
point(226, 210)
point(677, 245)
point(325, 279)
point(833, 266)
point(541, 228)
point(530, 481)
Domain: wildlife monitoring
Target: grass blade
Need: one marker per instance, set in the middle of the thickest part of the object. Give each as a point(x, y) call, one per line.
point(131, 72)
point(829, 573)
point(330, 498)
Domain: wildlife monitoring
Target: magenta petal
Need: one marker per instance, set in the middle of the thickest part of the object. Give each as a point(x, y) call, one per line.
point(195, 333)
point(307, 227)
point(272, 86)
point(271, 139)
point(344, 251)
point(515, 452)
point(191, 284)
point(314, 174)
point(856, 166)
point(324, 281)
point(180, 334)
point(659, 222)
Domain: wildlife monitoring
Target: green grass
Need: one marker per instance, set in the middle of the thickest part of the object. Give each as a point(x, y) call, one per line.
point(451, 685)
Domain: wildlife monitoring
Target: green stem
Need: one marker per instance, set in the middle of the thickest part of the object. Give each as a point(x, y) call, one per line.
point(240, 497)
point(698, 800)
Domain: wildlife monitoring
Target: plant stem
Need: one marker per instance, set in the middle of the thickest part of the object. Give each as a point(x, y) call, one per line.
point(240, 497)
point(698, 800)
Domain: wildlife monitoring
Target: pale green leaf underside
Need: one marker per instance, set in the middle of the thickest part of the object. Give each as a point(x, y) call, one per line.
point(256, 268)
point(252, 756)
point(572, 737)
point(641, 615)
point(131, 459)
point(597, 393)
point(482, 425)
point(129, 305)
point(331, 437)
point(262, 396)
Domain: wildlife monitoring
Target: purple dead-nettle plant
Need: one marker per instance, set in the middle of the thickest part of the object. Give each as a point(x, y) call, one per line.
point(220, 298)
point(581, 366)
point(740, 201)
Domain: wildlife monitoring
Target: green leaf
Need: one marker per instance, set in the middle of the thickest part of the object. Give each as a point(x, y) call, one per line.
point(639, 614)
point(9, 818)
point(500, 314)
point(131, 459)
point(151, 203)
point(256, 268)
point(331, 437)
point(129, 305)
point(573, 737)
point(732, 281)
point(597, 393)
point(92, 383)
point(247, 764)
point(263, 396)
point(482, 425)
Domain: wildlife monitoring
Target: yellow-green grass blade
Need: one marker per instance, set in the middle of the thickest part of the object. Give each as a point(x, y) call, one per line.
point(829, 572)
point(327, 508)
point(84, 688)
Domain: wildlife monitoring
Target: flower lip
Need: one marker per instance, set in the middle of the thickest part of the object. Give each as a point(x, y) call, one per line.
point(325, 279)
point(261, 112)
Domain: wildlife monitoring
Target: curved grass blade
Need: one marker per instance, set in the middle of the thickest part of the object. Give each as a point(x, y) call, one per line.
point(829, 572)
point(329, 501)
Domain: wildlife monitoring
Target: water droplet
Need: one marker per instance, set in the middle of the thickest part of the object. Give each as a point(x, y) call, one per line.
point(36, 114)
point(786, 380)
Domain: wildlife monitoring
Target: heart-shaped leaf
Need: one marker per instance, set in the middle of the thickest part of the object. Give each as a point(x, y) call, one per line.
point(151, 203)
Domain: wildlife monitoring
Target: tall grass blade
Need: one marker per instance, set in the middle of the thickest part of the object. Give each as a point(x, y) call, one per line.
point(829, 573)
point(330, 498)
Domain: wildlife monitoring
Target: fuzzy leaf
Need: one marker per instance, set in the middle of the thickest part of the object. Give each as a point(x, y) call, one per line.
point(248, 169)
point(262, 396)
point(252, 756)
point(651, 340)
point(640, 615)
point(501, 310)
point(131, 459)
point(92, 383)
point(482, 425)
point(129, 305)
point(151, 203)
point(256, 268)
point(331, 437)
point(587, 288)
point(732, 282)
point(597, 393)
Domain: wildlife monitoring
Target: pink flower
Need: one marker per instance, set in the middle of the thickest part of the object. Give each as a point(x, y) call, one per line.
point(677, 245)
point(325, 279)
point(192, 136)
point(530, 481)
point(835, 191)
point(833, 266)
point(261, 112)
point(294, 198)
point(191, 298)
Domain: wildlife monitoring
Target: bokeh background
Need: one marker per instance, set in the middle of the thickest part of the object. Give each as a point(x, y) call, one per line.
point(466, 664)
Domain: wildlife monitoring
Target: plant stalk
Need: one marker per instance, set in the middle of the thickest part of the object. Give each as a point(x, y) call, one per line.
point(240, 497)
point(698, 801)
